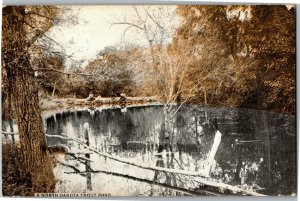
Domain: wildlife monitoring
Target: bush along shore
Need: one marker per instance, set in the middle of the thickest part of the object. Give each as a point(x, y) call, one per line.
point(14, 182)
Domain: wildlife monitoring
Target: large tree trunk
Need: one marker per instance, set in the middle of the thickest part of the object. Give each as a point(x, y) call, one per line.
point(38, 168)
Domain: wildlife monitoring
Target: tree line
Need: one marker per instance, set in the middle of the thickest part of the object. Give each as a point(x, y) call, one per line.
point(233, 56)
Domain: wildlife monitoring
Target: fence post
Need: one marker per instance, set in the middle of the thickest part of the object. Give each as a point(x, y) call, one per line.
point(87, 163)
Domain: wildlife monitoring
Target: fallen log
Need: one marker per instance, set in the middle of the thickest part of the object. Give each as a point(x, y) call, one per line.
point(80, 157)
point(57, 136)
point(178, 189)
point(228, 187)
point(80, 153)
point(70, 166)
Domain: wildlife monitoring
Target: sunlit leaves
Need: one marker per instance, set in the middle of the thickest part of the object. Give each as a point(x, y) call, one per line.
point(246, 54)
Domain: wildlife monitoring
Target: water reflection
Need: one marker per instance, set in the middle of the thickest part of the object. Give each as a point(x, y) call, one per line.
point(257, 150)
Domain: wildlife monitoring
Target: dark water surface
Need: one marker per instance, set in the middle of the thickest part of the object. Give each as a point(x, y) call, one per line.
point(257, 150)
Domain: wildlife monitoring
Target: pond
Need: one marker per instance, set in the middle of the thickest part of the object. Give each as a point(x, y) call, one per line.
point(257, 150)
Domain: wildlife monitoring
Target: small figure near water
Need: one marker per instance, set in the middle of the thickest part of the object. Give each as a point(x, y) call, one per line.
point(91, 97)
point(123, 100)
point(122, 97)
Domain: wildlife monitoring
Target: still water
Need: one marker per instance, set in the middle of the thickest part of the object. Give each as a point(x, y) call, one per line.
point(257, 151)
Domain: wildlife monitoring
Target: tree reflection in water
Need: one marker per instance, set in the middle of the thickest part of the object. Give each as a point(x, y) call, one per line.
point(257, 150)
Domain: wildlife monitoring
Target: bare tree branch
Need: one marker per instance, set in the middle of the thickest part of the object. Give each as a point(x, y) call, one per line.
point(128, 23)
point(154, 20)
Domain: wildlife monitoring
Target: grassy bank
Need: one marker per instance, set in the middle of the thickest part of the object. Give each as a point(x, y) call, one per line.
point(14, 183)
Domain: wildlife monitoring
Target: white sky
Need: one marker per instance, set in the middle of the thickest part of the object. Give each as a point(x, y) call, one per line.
point(94, 32)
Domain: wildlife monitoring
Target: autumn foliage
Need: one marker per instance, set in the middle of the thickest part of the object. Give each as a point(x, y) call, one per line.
point(232, 56)
point(224, 56)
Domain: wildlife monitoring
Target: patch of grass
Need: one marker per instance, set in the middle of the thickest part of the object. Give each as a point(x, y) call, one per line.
point(13, 182)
